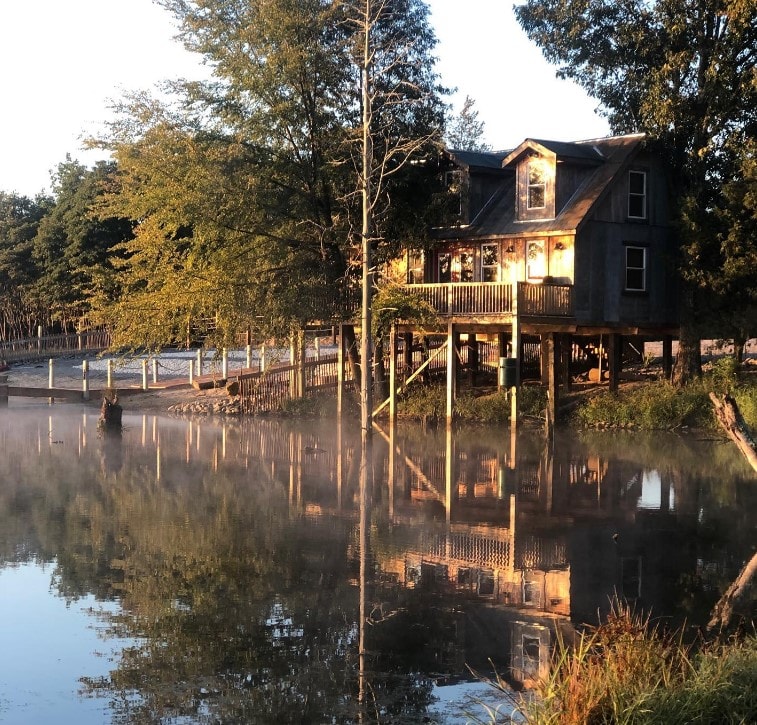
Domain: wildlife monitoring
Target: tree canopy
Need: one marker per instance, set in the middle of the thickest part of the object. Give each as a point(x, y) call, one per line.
point(464, 131)
point(682, 71)
point(245, 187)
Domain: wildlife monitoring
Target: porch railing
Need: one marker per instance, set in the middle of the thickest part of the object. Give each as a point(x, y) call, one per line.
point(496, 298)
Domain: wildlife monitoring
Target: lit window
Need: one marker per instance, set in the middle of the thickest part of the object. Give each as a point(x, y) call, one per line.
point(445, 267)
point(489, 263)
point(414, 267)
point(637, 194)
point(536, 261)
point(537, 185)
point(636, 269)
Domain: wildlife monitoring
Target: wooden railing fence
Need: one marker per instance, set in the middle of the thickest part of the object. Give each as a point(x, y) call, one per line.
point(52, 345)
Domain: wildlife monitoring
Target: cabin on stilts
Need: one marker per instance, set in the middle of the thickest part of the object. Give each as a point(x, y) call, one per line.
point(561, 247)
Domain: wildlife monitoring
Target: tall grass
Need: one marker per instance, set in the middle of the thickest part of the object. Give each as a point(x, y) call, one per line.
point(628, 672)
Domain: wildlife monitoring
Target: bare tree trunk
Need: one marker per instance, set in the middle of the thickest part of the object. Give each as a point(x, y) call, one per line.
point(738, 597)
point(688, 364)
point(729, 417)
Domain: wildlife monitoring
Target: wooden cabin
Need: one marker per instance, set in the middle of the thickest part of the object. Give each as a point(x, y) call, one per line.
point(565, 242)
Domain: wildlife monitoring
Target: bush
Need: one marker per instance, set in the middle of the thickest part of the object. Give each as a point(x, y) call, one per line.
point(626, 671)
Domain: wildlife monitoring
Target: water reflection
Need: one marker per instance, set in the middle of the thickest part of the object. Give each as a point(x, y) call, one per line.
point(258, 579)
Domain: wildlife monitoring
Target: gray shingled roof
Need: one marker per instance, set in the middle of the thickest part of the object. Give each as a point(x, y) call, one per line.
point(497, 218)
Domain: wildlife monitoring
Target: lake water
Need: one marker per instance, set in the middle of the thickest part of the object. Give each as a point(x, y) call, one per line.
point(202, 571)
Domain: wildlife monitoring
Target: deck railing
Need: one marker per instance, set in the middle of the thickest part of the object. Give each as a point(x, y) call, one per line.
point(461, 299)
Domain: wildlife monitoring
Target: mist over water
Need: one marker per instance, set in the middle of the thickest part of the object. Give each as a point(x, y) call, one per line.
point(198, 571)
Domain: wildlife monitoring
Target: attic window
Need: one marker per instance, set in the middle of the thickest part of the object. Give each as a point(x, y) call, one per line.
point(537, 184)
point(637, 194)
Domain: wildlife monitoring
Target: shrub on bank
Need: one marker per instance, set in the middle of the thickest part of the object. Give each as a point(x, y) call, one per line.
point(659, 405)
point(626, 671)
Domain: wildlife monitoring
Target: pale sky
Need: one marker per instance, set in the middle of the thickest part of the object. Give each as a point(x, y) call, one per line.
point(62, 62)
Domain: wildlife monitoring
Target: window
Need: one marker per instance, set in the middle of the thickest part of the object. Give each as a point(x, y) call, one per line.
point(489, 263)
point(637, 194)
point(456, 266)
point(636, 269)
point(537, 185)
point(414, 267)
point(536, 262)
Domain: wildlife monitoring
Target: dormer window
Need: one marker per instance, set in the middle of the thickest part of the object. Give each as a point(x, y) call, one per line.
point(537, 184)
point(535, 196)
point(637, 194)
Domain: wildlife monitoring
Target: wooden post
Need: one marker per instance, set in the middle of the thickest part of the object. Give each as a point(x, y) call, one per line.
point(553, 354)
point(262, 362)
point(85, 379)
point(109, 373)
point(340, 374)
point(154, 370)
point(667, 356)
point(301, 369)
point(199, 362)
point(566, 348)
point(51, 373)
point(473, 360)
point(224, 363)
point(451, 370)
point(144, 374)
point(248, 356)
point(393, 375)
point(614, 360)
point(515, 342)
point(317, 343)
point(293, 367)
point(407, 354)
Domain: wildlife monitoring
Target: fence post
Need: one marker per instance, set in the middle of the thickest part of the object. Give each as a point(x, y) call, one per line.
point(224, 363)
point(318, 349)
point(199, 362)
point(144, 374)
point(248, 356)
point(51, 373)
point(109, 370)
point(191, 371)
point(39, 338)
point(79, 341)
point(85, 379)
point(262, 358)
point(155, 370)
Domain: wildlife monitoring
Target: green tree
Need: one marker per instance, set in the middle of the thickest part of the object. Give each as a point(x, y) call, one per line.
point(464, 131)
point(682, 71)
point(20, 311)
point(72, 246)
point(245, 187)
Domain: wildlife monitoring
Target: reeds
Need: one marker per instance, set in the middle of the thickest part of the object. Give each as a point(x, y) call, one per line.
point(627, 671)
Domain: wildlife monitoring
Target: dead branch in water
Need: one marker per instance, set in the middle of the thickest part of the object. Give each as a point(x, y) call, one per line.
point(729, 417)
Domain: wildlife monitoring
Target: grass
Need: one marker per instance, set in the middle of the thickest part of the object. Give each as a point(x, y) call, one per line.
point(628, 672)
point(659, 405)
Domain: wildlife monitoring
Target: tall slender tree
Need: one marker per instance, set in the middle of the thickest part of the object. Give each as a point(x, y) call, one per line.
point(464, 130)
point(246, 187)
point(683, 71)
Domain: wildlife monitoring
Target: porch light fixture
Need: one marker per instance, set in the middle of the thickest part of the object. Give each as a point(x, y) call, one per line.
point(510, 248)
point(559, 245)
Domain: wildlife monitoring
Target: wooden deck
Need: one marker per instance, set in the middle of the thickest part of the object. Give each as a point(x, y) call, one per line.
point(487, 299)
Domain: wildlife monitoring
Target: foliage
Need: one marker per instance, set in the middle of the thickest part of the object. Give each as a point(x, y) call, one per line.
point(660, 405)
point(430, 402)
point(464, 131)
point(20, 309)
point(629, 671)
point(394, 303)
point(73, 246)
point(245, 187)
point(681, 71)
